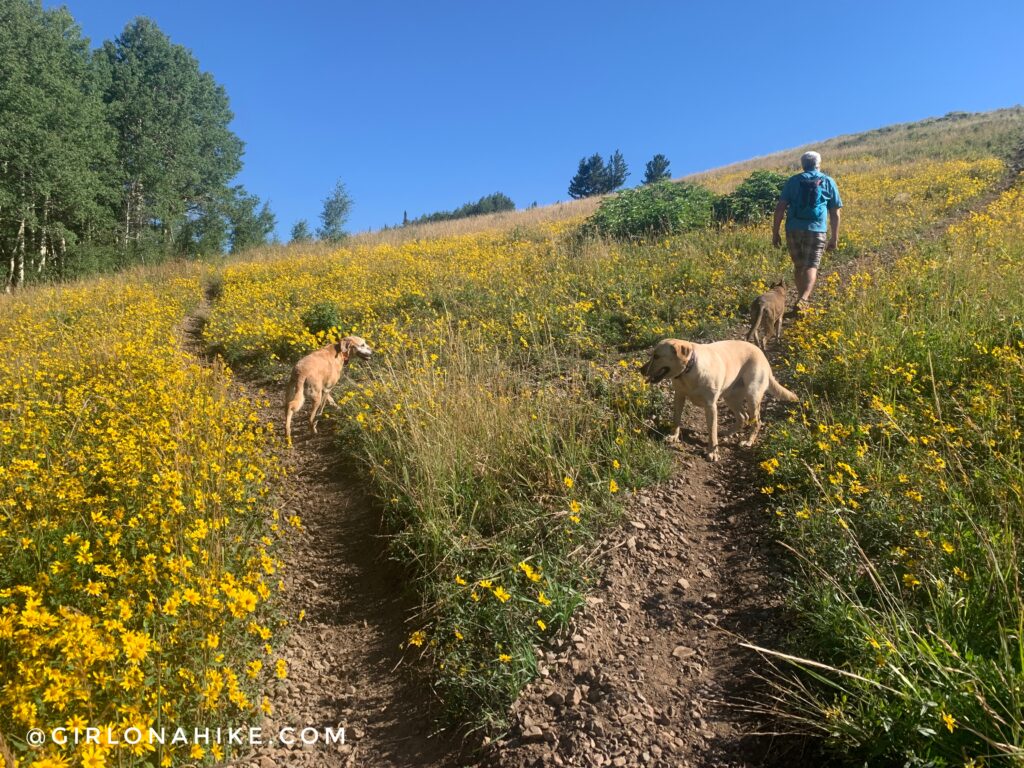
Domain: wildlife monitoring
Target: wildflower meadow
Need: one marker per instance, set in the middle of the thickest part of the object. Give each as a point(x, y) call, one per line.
point(503, 425)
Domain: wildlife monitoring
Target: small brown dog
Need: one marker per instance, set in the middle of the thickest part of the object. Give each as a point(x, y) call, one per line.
point(320, 372)
point(766, 313)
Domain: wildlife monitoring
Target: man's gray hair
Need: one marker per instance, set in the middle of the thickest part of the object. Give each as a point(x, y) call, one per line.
point(810, 161)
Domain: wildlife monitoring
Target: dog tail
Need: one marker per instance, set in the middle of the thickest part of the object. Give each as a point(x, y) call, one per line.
point(755, 323)
point(777, 390)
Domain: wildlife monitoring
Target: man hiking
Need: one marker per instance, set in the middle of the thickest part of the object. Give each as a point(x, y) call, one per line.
point(807, 200)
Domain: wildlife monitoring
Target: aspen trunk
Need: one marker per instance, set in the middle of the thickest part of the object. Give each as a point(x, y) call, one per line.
point(42, 238)
point(18, 259)
point(128, 215)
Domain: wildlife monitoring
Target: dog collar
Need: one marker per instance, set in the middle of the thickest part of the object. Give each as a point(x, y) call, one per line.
point(689, 365)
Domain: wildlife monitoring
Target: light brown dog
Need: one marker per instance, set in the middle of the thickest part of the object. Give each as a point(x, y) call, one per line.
point(319, 372)
point(766, 313)
point(702, 373)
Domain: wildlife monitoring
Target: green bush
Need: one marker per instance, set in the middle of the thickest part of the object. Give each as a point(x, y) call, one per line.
point(322, 317)
point(752, 200)
point(654, 209)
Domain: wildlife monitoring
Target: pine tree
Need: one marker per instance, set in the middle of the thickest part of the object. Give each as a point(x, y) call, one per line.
point(656, 169)
point(616, 173)
point(337, 206)
point(590, 178)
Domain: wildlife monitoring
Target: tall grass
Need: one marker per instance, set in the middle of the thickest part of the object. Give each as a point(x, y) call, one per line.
point(496, 476)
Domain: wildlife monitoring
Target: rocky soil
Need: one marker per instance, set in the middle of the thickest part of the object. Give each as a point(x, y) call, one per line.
point(654, 673)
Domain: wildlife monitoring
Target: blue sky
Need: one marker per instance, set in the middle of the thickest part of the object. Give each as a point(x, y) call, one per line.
point(424, 106)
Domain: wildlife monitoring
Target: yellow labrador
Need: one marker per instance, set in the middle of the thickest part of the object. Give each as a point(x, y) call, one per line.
point(702, 373)
point(319, 371)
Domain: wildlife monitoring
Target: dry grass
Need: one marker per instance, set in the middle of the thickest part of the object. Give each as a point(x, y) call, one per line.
point(436, 230)
point(528, 217)
point(958, 135)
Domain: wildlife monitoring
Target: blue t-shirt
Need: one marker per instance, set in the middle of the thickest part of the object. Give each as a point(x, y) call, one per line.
point(799, 214)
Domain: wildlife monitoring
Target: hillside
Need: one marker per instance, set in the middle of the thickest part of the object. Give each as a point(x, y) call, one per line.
point(956, 135)
point(488, 555)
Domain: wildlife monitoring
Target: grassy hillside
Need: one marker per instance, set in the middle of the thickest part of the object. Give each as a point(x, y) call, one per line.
point(957, 135)
point(501, 424)
point(509, 405)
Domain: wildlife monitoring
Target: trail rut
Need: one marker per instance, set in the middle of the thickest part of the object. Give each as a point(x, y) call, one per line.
point(344, 656)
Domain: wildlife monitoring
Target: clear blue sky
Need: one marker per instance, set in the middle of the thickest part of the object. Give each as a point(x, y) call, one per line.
point(421, 106)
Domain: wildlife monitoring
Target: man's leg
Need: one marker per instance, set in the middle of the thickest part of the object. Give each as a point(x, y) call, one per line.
point(798, 278)
point(814, 248)
point(793, 245)
point(805, 285)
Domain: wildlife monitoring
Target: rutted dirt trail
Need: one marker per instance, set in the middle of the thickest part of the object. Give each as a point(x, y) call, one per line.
point(650, 676)
point(653, 673)
point(344, 657)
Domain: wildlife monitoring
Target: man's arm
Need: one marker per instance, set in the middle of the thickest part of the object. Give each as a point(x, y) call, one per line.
point(833, 218)
point(780, 214)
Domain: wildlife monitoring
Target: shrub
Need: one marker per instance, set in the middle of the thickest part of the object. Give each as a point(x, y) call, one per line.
point(322, 317)
point(654, 209)
point(752, 200)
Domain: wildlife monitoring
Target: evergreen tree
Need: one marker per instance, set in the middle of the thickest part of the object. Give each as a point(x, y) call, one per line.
point(590, 178)
point(301, 232)
point(337, 207)
point(495, 203)
point(175, 150)
point(616, 172)
point(656, 169)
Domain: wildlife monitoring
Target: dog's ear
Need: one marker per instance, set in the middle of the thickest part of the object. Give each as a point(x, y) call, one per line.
point(682, 351)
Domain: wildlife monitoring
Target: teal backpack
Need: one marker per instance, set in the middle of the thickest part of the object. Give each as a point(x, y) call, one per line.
point(810, 199)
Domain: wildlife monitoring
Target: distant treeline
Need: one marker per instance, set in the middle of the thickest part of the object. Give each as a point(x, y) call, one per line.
point(489, 204)
point(112, 156)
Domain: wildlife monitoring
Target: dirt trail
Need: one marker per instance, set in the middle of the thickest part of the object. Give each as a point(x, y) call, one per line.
point(653, 672)
point(344, 657)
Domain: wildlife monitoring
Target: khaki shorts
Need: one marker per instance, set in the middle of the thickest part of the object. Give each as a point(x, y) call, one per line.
point(805, 248)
